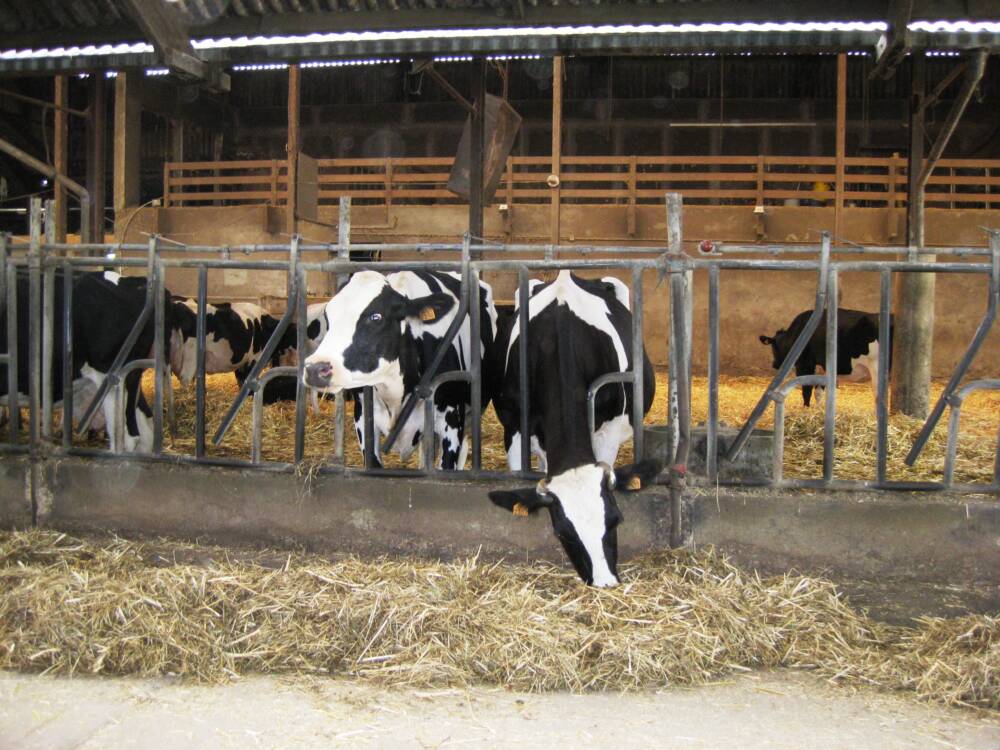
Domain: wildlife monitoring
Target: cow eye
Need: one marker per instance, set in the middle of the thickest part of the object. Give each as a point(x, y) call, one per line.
point(376, 317)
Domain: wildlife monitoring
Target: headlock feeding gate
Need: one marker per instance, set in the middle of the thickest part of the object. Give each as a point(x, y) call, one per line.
point(41, 259)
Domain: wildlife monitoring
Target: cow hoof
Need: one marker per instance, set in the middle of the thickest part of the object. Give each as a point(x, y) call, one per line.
point(519, 510)
point(635, 483)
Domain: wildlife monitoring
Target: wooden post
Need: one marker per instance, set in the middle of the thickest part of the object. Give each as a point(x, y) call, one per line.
point(128, 132)
point(838, 202)
point(630, 219)
point(96, 167)
point(914, 310)
point(293, 146)
point(477, 141)
point(218, 140)
point(177, 133)
point(557, 96)
point(60, 155)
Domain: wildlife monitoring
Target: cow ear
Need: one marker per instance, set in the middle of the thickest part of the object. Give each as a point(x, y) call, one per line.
point(636, 476)
point(521, 502)
point(766, 340)
point(430, 308)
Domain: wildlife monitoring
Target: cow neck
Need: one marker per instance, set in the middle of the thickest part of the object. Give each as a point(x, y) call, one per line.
point(568, 440)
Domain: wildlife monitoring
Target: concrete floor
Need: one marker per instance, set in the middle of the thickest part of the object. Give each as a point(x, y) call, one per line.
point(760, 710)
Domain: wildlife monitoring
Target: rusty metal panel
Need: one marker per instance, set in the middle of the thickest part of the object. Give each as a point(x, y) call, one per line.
point(502, 123)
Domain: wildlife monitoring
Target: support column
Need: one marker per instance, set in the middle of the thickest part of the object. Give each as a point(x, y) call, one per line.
point(60, 155)
point(477, 134)
point(96, 155)
point(914, 309)
point(293, 146)
point(838, 204)
point(177, 133)
point(557, 96)
point(128, 134)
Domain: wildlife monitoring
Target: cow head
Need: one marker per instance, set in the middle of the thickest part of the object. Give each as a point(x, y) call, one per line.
point(584, 513)
point(779, 346)
point(367, 321)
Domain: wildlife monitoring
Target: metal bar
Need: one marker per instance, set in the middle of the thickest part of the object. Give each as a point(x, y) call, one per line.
point(269, 347)
point(970, 353)
point(778, 442)
point(48, 319)
point(679, 300)
point(830, 415)
point(256, 423)
point(300, 345)
point(608, 378)
point(13, 396)
point(882, 394)
point(476, 370)
point(791, 357)
point(427, 446)
point(523, 315)
point(638, 366)
point(952, 447)
point(199, 392)
point(712, 426)
point(67, 356)
point(343, 254)
point(34, 323)
point(675, 242)
point(159, 322)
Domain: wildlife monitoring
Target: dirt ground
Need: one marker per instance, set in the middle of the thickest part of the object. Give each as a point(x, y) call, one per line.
point(760, 710)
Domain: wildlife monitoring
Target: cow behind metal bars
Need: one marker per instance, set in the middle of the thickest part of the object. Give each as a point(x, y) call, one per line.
point(383, 331)
point(579, 330)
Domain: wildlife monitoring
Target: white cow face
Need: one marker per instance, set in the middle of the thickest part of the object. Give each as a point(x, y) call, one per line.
point(366, 324)
point(584, 515)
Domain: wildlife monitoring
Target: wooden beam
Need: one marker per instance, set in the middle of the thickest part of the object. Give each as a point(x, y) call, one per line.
point(60, 152)
point(557, 96)
point(127, 140)
point(841, 143)
point(96, 166)
point(293, 145)
point(914, 308)
point(477, 135)
point(177, 132)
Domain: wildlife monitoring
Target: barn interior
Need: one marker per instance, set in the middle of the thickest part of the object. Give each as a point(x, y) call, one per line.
point(853, 126)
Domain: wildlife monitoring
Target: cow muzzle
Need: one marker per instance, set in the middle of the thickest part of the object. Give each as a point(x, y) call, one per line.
point(318, 375)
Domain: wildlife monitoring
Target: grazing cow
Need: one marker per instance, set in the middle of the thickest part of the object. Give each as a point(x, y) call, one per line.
point(383, 331)
point(104, 312)
point(857, 347)
point(235, 336)
point(579, 330)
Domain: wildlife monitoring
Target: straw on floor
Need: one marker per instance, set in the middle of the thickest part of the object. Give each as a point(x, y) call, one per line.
point(119, 607)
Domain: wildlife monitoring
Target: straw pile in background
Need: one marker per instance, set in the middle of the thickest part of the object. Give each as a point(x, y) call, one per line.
point(855, 446)
point(120, 607)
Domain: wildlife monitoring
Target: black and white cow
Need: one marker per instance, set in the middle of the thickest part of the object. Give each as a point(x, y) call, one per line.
point(382, 331)
point(104, 312)
point(857, 347)
point(235, 336)
point(579, 330)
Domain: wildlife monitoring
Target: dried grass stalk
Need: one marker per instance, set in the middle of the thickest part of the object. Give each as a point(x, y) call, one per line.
point(120, 607)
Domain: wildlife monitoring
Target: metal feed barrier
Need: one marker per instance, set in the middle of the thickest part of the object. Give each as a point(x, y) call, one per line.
point(41, 258)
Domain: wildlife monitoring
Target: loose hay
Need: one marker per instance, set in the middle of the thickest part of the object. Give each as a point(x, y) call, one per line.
point(119, 607)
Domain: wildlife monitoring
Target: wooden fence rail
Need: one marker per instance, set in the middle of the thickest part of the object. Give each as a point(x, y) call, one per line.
point(607, 180)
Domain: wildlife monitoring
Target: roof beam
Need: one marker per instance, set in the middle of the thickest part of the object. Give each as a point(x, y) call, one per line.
point(893, 46)
point(164, 28)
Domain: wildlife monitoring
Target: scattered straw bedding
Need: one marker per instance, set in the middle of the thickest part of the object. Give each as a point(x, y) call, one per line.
point(855, 448)
point(120, 607)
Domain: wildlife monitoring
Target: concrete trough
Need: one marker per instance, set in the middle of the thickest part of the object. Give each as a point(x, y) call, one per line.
point(936, 538)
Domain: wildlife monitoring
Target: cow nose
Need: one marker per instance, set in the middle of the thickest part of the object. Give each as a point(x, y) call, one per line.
point(318, 374)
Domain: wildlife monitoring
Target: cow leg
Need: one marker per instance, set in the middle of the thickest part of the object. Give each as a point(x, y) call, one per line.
point(513, 451)
point(138, 416)
point(107, 406)
point(359, 430)
point(451, 428)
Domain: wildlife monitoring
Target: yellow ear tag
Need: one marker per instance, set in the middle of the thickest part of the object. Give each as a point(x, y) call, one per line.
point(519, 509)
point(427, 314)
point(635, 483)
